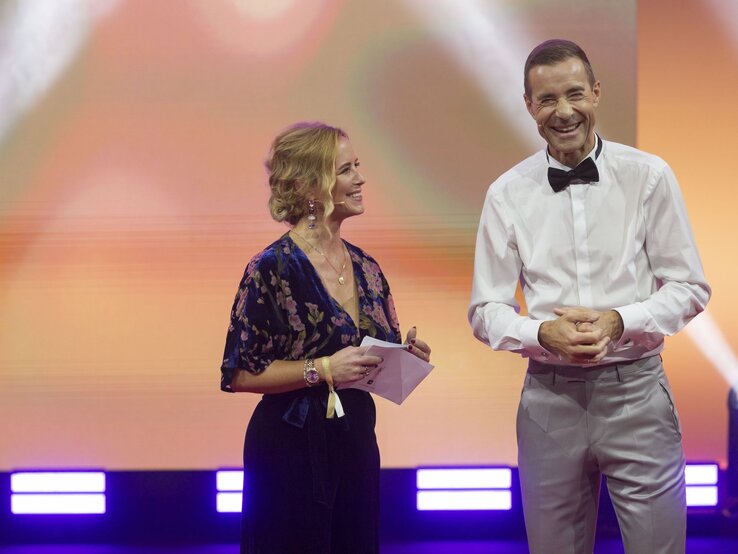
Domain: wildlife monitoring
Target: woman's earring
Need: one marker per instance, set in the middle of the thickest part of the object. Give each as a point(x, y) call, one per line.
point(311, 214)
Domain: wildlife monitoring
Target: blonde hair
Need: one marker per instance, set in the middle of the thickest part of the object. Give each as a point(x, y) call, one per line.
point(302, 164)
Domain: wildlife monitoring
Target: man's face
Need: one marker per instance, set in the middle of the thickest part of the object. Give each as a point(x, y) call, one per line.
point(563, 104)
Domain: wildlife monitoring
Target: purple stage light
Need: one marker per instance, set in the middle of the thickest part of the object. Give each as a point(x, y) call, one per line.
point(57, 481)
point(229, 480)
point(464, 478)
point(488, 488)
point(57, 503)
point(229, 486)
point(702, 480)
point(701, 474)
point(702, 496)
point(228, 502)
point(464, 500)
point(464, 488)
point(57, 492)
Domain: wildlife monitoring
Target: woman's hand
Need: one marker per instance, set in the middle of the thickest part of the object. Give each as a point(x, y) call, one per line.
point(416, 346)
point(350, 364)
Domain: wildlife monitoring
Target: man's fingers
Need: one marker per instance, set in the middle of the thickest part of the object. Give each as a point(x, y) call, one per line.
point(587, 338)
point(577, 313)
point(589, 343)
point(589, 353)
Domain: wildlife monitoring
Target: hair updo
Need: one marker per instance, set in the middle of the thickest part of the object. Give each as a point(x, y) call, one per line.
point(302, 165)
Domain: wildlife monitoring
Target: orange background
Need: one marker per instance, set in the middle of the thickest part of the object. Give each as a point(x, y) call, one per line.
point(133, 195)
point(687, 80)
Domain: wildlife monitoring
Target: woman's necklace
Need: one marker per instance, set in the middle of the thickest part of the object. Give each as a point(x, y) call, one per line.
point(341, 280)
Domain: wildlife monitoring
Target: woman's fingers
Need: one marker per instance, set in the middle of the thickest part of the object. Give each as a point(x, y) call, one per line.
point(420, 349)
point(419, 353)
point(368, 360)
point(421, 345)
point(356, 364)
point(416, 346)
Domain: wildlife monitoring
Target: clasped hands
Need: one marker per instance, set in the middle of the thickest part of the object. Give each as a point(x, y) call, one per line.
point(580, 335)
point(353, 363)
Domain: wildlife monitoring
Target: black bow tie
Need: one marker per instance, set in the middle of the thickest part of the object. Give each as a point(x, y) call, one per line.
point(585, 171)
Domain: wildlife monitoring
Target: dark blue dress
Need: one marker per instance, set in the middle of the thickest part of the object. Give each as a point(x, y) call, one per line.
point(311, 484)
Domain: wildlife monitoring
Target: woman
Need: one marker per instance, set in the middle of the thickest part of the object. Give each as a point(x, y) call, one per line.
point(303, 306)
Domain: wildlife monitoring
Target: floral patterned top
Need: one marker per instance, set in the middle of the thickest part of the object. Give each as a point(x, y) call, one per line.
point(283, 311)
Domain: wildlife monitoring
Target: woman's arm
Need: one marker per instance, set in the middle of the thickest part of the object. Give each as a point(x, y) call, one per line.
point(347, 365)
point(279, 376)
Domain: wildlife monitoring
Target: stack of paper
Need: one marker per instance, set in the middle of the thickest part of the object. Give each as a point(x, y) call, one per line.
point(400, 373)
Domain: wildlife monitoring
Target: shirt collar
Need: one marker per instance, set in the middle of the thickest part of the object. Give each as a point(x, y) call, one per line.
point(594, 154)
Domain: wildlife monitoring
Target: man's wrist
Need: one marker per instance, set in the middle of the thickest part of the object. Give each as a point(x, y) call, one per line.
point(542, 334)
point(541, 331)
point(616, 325)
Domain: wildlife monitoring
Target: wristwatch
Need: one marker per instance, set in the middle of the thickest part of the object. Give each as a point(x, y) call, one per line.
point(310, 374)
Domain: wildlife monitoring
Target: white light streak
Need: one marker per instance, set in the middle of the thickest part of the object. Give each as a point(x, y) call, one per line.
point(726, 14)
point(40, 39)
point(492, 47)
point(707, 336)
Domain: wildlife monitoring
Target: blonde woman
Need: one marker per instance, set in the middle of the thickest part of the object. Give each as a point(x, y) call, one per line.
point(311, 461)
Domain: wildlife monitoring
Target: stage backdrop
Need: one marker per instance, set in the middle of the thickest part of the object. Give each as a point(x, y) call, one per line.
point(132, 195)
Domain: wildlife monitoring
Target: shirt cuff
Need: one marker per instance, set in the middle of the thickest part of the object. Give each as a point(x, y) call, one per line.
point(634, 319)
point(529, 339)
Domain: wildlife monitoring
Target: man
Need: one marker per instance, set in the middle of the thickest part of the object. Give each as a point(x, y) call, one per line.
point(598, 237)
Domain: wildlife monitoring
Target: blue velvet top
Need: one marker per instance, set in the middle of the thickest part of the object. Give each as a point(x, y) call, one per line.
point(282, 311)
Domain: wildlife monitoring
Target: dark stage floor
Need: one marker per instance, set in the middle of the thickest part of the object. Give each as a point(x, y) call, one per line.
point(694, 546)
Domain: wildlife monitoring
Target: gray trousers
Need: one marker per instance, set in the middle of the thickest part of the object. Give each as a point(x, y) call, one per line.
point(576, 424)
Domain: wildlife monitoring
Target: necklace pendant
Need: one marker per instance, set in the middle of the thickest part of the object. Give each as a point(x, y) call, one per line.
point(341, 280)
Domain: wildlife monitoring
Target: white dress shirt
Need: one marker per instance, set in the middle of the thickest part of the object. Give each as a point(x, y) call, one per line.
point(622, 243)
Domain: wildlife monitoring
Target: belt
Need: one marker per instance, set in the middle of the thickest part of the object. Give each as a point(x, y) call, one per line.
point(592, 373)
